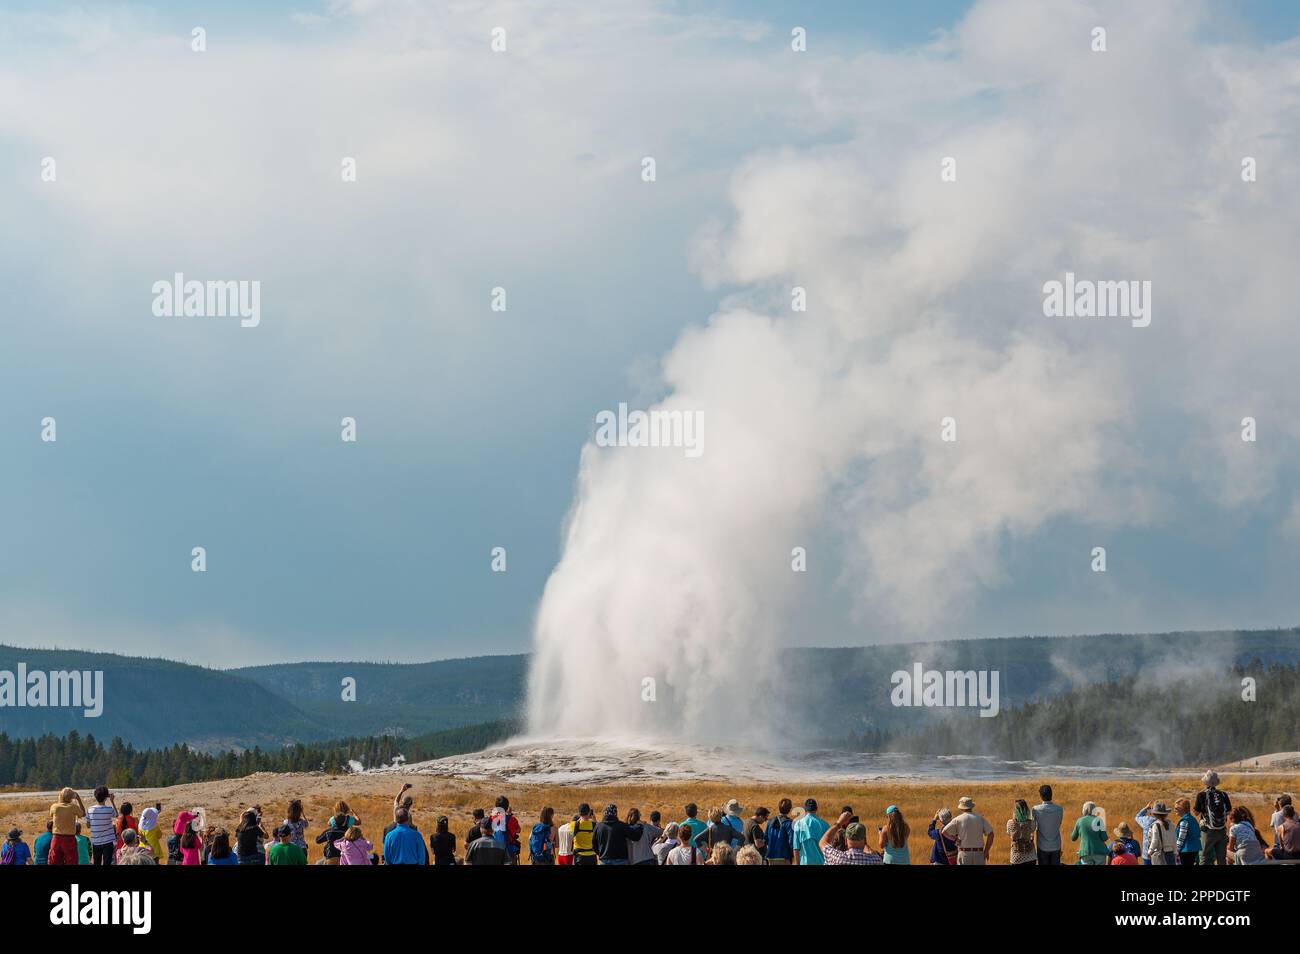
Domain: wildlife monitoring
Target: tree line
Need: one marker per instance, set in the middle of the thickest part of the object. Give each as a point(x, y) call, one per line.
point(1141, 720)
point(82, 761)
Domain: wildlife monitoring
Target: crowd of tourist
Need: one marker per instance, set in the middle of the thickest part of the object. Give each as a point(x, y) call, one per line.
point(1209, 830)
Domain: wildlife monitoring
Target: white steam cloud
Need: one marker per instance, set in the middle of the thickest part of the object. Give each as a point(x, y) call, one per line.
point(925, 302)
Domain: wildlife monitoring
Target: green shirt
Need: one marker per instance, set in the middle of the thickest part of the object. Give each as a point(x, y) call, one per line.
point(286, 854)
point(1090, 836)
point(83, 850)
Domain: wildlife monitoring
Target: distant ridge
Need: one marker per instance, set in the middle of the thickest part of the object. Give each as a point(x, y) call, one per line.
point(158, 702)
point(400, 698)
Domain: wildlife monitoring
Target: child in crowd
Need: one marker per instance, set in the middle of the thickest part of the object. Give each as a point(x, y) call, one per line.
point(191, 848)
point(151, 830)
point(126, 822)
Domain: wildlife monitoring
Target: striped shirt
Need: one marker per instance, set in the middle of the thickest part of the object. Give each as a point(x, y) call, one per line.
point(101, 824)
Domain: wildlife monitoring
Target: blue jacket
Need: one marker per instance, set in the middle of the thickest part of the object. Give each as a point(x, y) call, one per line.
point(405, 846)
point(939, 850)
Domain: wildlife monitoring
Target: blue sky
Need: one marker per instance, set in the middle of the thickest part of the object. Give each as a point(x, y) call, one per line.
point(476, 173)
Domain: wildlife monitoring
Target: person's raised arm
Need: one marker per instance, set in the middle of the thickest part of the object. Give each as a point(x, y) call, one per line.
point(840, 823)
point(397, 799)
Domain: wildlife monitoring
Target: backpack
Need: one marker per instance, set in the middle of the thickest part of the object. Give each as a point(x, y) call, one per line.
point(174, 856)
point(539, 842)
point(780, 838)
point(9, 854)
point(583, 830)
point(1216, 808)
point(734, 836)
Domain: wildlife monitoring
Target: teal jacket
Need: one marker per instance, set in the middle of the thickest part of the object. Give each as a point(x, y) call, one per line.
point(1189, 834)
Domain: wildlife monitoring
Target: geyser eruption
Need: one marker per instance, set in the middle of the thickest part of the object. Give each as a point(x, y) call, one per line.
point(923, 410)
point(678, 569)
point(673, 565)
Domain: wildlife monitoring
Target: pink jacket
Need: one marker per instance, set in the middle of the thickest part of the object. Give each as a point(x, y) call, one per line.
point(354, 852)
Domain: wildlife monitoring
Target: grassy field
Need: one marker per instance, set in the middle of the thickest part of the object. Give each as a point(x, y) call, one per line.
point(370, 797)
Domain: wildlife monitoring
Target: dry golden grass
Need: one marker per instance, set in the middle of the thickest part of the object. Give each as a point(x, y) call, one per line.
point(370, 797)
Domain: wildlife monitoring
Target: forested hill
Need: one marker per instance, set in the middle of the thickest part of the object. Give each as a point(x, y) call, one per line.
point(158, 702)
point(400, 699)
point(1139, 720)
point(853, 685)
point(818, 694)
point(50, 761)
